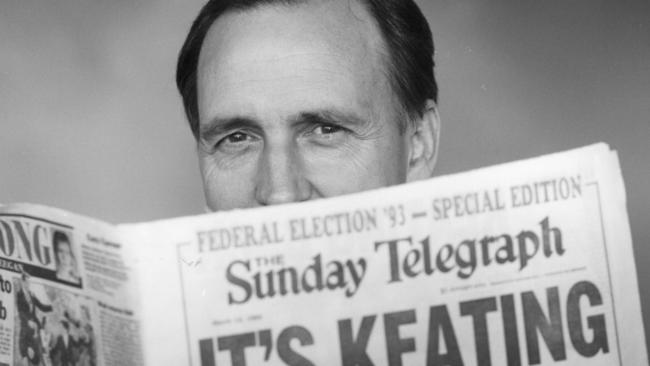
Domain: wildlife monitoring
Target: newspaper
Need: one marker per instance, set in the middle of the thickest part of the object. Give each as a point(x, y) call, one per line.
point(525, 263)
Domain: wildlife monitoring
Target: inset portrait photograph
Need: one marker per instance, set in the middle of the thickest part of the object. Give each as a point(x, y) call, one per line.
point(67, 269)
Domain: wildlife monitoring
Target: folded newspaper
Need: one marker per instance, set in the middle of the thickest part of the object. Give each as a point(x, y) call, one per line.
point(526, 263)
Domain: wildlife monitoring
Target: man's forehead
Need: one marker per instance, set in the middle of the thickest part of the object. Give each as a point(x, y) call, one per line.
point(349, 18)
point(317, 40)
point(278, 31)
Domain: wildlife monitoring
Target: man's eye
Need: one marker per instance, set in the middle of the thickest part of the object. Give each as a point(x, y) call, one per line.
point(327, 129)
point(235, 141)
point(236, 137)
point(327, 135)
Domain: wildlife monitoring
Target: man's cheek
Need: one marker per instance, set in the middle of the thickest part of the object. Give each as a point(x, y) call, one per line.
point(227, 161)
point(332, 177)
point(229, 196)
point(351, 153)
point(229, 189)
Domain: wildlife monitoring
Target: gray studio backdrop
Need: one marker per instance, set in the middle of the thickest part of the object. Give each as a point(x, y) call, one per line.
point(91, 121)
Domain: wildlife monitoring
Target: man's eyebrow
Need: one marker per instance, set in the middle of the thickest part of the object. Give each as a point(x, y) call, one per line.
point(330, 116)
point(218, 126)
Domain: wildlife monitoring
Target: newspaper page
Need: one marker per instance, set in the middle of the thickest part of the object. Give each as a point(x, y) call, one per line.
point(526, 263)
point(67, 291)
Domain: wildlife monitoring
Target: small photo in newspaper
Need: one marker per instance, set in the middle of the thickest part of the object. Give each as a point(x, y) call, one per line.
point(53, 327)
point(67, 269)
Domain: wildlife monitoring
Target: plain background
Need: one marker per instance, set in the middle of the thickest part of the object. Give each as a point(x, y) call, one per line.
point(91, 121)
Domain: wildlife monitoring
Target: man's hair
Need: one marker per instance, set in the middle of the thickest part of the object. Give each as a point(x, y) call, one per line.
point(404, 29)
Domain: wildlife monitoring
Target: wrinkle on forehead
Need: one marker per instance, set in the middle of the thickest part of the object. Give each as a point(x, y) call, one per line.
point(349, 20)
point(341, 28)
point(266, 61)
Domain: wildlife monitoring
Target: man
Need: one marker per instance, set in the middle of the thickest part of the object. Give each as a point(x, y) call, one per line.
point(293, 100)
point(72, 348)
point(27, 304)
point(66, 349)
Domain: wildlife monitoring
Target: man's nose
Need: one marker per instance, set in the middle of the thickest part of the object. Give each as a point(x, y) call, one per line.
point(280, 177)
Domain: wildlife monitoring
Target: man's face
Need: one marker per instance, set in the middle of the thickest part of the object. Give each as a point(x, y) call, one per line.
point(64, 254)
point(295, 104)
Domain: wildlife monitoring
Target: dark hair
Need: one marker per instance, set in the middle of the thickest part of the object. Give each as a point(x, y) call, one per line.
point(403, 27)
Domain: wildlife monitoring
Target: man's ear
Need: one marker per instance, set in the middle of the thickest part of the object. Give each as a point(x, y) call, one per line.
point(424, 135)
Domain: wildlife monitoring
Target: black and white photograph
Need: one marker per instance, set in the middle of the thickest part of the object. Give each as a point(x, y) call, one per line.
point(52, 327)
point(67, 269)
point(347, 182)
